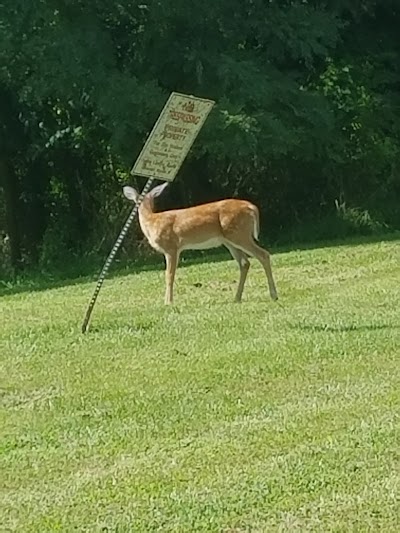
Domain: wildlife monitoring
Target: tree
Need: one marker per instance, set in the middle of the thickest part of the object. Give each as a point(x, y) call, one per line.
point(307, 108)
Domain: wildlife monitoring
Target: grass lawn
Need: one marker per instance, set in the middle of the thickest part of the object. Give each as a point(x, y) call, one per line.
point(209, 415)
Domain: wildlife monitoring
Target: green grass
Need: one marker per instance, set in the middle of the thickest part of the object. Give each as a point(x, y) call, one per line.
point(207, 416)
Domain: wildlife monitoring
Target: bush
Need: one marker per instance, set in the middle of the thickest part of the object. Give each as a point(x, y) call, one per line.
point(341, 223)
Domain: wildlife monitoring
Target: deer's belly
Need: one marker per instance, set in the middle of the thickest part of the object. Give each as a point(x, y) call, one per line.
point(202, 245)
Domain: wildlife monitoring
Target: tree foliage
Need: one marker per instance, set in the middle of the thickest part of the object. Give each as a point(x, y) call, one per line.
point(306, 121)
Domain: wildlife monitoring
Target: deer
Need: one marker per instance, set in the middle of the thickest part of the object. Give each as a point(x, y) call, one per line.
point(232, 223)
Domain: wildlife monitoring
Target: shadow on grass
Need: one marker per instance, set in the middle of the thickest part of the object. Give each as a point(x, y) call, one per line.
point(132, 327)
point(90, 271)
point(337, 243)
point(42, 281)
point(342, 328)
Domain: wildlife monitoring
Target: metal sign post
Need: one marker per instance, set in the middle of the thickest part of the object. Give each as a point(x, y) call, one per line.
point(161, 158)
point(112, 254)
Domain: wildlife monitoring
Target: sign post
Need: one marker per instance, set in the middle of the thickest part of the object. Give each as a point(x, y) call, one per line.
point(161, 158)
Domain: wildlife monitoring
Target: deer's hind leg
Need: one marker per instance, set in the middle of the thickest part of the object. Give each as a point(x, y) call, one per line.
point(171, 261)
point(250, 247)
point(244, 265)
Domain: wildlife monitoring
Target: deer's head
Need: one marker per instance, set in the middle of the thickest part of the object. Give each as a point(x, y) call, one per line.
point(148, 201)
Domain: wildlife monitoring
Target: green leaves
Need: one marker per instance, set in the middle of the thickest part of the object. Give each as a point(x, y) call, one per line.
point(307, 99)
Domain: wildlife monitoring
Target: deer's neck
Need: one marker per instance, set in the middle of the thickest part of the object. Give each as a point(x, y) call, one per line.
point(147, 218)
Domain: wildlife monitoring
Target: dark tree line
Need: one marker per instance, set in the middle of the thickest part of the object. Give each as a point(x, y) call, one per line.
point(306, 122)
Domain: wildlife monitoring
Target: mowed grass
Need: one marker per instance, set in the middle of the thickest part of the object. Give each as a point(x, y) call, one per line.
point(208, 415)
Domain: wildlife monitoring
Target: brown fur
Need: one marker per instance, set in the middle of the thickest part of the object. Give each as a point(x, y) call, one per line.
point(231, 223)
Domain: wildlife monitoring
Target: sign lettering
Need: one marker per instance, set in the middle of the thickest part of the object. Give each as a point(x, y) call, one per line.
point(172, 136)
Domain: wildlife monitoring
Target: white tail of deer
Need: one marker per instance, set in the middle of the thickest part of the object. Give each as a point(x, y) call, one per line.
point(231, 223)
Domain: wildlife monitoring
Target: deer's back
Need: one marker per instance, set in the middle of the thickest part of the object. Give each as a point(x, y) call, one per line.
point(203, 226)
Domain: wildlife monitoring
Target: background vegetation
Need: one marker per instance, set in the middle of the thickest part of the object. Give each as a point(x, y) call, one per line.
point(306, 122)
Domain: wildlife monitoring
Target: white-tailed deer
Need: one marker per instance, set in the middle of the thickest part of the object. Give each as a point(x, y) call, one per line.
point(231, 223)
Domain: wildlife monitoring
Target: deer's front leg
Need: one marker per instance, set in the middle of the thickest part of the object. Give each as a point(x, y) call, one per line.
point(171, 261)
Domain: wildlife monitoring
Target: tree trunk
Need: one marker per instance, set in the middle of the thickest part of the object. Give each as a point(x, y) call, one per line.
point(36, 213)
point(9, 182)
point(72, 181)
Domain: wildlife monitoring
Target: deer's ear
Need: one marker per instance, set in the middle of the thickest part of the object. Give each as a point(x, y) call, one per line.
point(130, 193)
point(158, 190)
